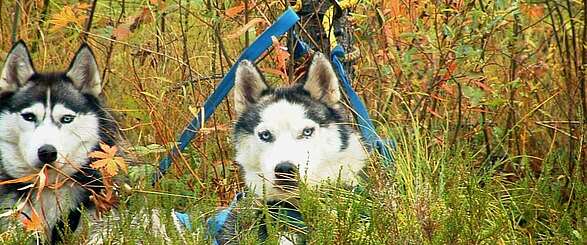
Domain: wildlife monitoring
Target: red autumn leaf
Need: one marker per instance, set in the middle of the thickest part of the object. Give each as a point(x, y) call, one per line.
point(483, 85)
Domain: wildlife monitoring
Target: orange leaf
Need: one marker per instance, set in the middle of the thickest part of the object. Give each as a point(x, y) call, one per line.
point(281, 56)
point(111, 168)
point(19, 180)
point(108, 163)
point(98, 155)
point(121, 163)
point(109, 151)
point(33, 223)
point(245, 28)
point(272, 71)
point(99, 164)
point(232, 12)
point(121, 32)
point(434, 113)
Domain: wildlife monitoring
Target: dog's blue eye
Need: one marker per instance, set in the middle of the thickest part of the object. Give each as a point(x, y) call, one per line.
point(67, 119)
point(266, 136)
point(29, 117)
point(308, 132)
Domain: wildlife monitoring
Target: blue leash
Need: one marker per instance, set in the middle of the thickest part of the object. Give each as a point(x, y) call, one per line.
point(216, 223)
point(260, 45)
point(362, 115)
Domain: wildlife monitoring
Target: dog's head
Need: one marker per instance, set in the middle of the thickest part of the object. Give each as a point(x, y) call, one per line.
point(293, 131)
point(48, 118)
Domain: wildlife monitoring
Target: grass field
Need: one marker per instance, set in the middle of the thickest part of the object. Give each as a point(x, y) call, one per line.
point(484, 99)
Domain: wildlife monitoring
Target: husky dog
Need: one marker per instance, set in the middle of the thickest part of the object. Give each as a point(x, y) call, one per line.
point(50, 122)
point(299, 130)
point(287, 134)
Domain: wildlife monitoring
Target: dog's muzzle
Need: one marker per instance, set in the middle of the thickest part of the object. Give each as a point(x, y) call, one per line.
point(47, 154)
point(285, 175)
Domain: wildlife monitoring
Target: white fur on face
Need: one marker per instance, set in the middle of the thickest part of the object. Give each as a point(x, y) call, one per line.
point(20, 140)
point(318, 157)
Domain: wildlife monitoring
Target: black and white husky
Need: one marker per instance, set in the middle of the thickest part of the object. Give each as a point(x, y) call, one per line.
point(299, 130)
point(51, 121)
point(285, 135)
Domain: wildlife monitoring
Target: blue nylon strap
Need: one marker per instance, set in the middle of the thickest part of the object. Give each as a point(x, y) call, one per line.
point(184, 219)
point(300, 47)
point(362, 115)
point(216, 222)
point(287, 20)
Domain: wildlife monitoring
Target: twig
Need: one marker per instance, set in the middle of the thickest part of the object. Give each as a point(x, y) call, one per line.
point(112, 41)
point(183, 23)
point(513, 75)
point(459, 112)
point(15, 21)
point(1, 24)
point(194, 80)
point(88, 24)
point(583, 94)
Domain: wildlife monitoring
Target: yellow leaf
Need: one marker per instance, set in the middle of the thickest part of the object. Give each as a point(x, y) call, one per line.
point(121, 163)
point(111, 168)
point(65, 17)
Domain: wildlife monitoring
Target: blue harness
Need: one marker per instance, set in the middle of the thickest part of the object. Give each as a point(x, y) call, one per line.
point(283, 24)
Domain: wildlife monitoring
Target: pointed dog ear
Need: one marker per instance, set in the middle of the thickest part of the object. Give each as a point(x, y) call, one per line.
point(321, 81)
point(83, 72)
point(249, 85)
point(18, 69)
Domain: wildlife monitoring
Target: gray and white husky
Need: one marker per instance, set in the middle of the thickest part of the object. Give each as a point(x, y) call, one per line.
point(51, 121)
point(298, 130)
point(285, 135)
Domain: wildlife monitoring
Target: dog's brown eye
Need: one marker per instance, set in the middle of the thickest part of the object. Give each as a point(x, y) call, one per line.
point(29, 117)
point(308, 132)
point(67, 119)
point(266, 136)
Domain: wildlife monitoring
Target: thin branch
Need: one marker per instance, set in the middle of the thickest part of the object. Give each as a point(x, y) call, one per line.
point(88, 24)
point(15, 21)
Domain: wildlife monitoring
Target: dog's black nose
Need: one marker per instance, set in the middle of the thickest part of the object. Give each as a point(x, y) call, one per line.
point(285, 168)
point(285, 174)
point(47, 154)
